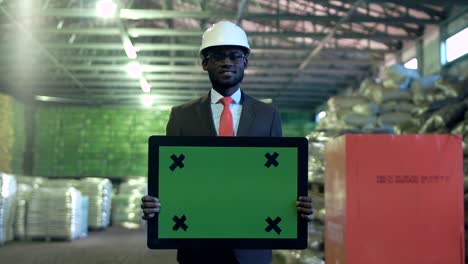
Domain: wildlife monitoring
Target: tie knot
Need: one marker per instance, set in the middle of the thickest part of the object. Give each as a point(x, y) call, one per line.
point(226, 100)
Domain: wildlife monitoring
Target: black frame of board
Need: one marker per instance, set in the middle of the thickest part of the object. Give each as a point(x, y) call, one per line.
point(248, 243)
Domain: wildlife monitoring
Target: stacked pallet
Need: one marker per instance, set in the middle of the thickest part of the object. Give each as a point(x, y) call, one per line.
point(76, 141)
point(126, 204)
point(54, 213)
point(7, 206)
point(99, 192)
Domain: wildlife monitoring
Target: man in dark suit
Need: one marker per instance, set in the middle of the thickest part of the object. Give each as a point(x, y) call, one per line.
point(225, 111)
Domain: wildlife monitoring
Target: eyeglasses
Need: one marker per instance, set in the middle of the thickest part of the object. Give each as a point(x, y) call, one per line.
point(235, 57)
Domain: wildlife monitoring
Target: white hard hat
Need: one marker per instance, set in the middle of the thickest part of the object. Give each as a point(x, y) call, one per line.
point(224, 33)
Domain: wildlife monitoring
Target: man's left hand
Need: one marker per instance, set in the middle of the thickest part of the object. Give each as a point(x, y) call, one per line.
point(304, 206)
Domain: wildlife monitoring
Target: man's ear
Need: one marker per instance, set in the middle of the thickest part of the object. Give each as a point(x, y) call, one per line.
point(205, 64)
point(246, 63)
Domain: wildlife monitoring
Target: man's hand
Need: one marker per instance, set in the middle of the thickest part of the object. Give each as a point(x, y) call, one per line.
point(149, 206)
point(304, 206)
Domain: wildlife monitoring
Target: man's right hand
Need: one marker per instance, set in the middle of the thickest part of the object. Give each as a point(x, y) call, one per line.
point(149, 206)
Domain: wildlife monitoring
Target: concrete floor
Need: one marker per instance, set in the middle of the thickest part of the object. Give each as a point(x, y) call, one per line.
point(114, 245)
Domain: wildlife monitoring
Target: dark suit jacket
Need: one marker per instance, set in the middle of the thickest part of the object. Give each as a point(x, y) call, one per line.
point(195, 119)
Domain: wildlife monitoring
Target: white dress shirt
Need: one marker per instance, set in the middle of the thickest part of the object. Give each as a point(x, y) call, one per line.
point(217, 109)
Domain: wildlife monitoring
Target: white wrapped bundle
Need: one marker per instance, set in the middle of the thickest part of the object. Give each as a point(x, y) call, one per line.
point(22, 199)
point(54, 213)
point(126, 205)
point(26, 184)
point(7, 206)
point(99, 192)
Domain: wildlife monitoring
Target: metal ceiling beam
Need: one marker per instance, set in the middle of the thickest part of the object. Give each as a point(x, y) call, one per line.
point(175, 78)
point(179, 93)
point(192, 69)
point(240, 12)
point(188, 79)
point(41, 48)
point(139, 14)
point(155, 32)
point(315, 51)
point(194, 48)
point(206, 86)
point(431, 2)
point(254, 61)
point(135, 103)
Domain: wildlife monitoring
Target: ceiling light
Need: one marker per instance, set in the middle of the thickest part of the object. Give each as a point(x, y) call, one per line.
point(106, 8)
point(130, 50)
point(147, 100)
point(145, 85)
point(134, 69)
point(267, 100)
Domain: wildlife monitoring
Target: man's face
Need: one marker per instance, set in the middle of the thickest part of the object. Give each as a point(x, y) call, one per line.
point(225, 66)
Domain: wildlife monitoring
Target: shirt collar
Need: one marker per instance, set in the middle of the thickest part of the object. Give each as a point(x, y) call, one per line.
point(215, 96)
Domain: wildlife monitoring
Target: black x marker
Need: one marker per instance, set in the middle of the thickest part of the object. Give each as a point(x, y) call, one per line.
point(179, 223)
point(177, 162)
point(273, 225)
point(271, 159)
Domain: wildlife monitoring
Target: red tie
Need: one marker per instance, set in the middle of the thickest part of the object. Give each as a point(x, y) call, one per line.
point(225, 123)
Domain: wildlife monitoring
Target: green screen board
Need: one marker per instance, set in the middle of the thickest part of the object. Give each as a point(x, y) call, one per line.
point(238, 192)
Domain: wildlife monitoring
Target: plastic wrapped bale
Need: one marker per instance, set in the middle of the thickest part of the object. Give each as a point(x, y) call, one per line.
point(397, 106)
point(99, 191)
point(26, 185)
point(399, 77)
point(445, 119)
point(7, 206)
point(451, 87)
point(397, 118)
point(462, 129)
point(316, 162)
point(126, 205)
point(22, 199)
point(360, 120)
point(54, 213)
point(330, 121)
point(321, 136)
point(84, 216)
point(397, 95)
point(421, 87)
point(337, 103)
point(371, 90)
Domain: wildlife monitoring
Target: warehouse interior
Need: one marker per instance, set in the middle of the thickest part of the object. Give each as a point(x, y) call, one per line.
point(85, 83)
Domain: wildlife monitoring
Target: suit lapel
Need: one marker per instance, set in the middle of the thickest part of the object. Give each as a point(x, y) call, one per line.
point(205, 115)
point(247, 116)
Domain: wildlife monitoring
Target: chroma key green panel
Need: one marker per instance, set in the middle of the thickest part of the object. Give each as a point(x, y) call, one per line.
point(227, 192)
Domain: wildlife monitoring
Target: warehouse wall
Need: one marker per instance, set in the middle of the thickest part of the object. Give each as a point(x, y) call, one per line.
point(110, 142)
point(429, 46)
point(100, 142)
